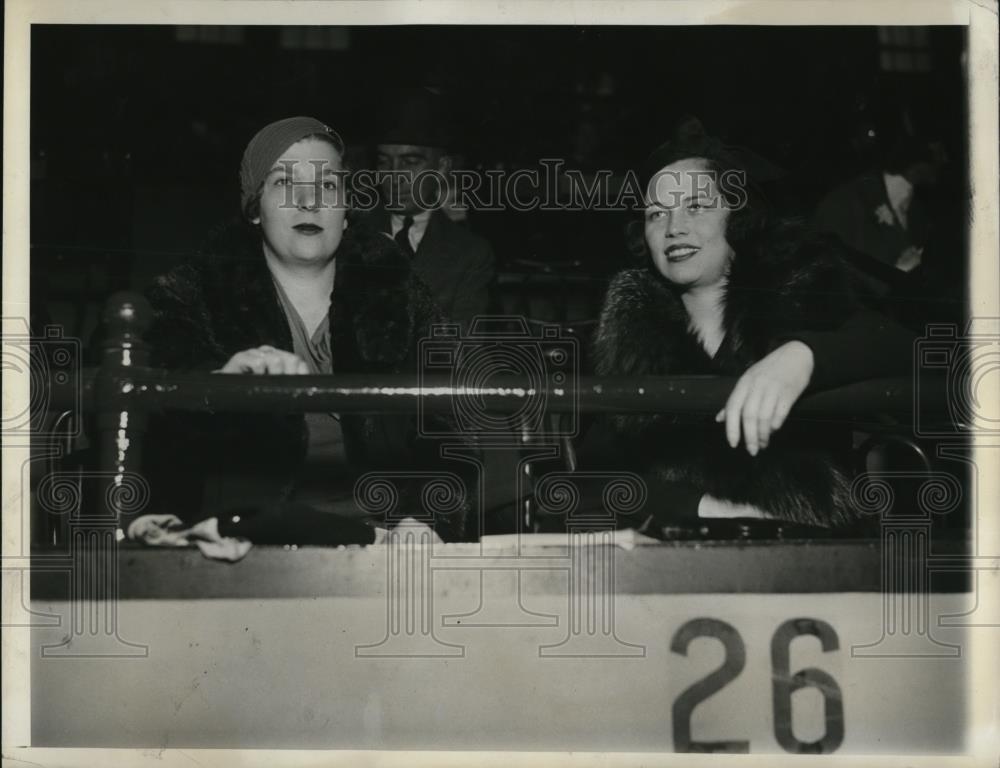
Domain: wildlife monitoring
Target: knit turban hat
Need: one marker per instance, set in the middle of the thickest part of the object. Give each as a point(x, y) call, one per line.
point(270, 143)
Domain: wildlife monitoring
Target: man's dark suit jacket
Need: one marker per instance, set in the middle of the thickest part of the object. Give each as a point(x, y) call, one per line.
point(455, 263)
point(860, 214)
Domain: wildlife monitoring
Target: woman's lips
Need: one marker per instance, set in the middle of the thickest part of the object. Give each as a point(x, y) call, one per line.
point(307, 229)
point(676, 253)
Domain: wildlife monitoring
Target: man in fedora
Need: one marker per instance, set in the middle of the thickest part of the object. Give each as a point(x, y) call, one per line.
point(412, 150)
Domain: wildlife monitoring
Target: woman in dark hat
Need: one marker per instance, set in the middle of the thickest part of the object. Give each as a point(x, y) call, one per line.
point(296, 286)
point(726, 288)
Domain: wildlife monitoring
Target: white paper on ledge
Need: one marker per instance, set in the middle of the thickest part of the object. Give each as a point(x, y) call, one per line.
point(627, 538)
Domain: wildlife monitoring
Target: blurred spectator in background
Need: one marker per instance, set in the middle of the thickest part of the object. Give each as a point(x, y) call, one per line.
point(882, 213)
point(412, 139)
point(908, 247)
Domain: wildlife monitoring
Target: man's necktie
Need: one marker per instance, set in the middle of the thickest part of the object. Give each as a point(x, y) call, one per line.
point(403, 237)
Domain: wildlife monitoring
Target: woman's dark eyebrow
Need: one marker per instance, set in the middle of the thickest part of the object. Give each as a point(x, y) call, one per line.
point(676, 198)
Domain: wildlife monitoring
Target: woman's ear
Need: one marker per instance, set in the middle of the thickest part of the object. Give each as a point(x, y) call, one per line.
point(255, 220)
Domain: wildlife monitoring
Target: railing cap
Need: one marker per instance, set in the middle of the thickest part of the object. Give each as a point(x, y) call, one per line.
point(127, 314)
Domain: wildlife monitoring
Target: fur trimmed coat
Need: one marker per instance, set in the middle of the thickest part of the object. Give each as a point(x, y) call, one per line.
point(225, 301)
point(791, 286)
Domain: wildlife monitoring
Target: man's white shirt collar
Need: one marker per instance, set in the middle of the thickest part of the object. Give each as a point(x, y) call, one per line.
point(417, 230)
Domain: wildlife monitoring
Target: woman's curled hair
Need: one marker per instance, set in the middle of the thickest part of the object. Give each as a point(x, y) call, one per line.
point(750, 215)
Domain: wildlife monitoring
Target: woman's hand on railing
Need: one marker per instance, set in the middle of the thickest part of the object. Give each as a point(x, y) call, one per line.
point(762, 398)
point(265, 360)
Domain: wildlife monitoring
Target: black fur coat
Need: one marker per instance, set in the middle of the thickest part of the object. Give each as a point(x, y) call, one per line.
point(790, 286)
point(224, 301)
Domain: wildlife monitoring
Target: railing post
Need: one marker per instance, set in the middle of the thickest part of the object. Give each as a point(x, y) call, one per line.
point(118, 490)
point(120, 430)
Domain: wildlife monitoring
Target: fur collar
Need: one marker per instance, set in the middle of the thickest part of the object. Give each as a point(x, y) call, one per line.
point(787, 282)
point(227, 300)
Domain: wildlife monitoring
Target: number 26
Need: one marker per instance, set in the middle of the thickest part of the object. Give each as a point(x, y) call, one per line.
point(783, 685)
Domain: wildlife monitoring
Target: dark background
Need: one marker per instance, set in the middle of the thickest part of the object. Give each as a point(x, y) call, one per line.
point(137, 132)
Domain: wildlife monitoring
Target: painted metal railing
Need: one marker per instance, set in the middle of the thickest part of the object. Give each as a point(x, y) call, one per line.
point(124, 381)
point(124, 389)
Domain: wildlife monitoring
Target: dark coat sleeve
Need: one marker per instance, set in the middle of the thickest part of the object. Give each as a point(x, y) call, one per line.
point(817, 300)
point(180, 335)
point(867, 346)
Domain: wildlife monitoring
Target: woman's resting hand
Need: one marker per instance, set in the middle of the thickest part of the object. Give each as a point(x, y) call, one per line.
point(265, 360)
point(762, 398)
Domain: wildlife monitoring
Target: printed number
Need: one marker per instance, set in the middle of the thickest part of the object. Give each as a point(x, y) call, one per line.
point(785, 684)
point(731, 667)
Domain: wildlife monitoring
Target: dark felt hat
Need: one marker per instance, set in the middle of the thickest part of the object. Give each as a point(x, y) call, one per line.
point(416, 116)
point(690, 140)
